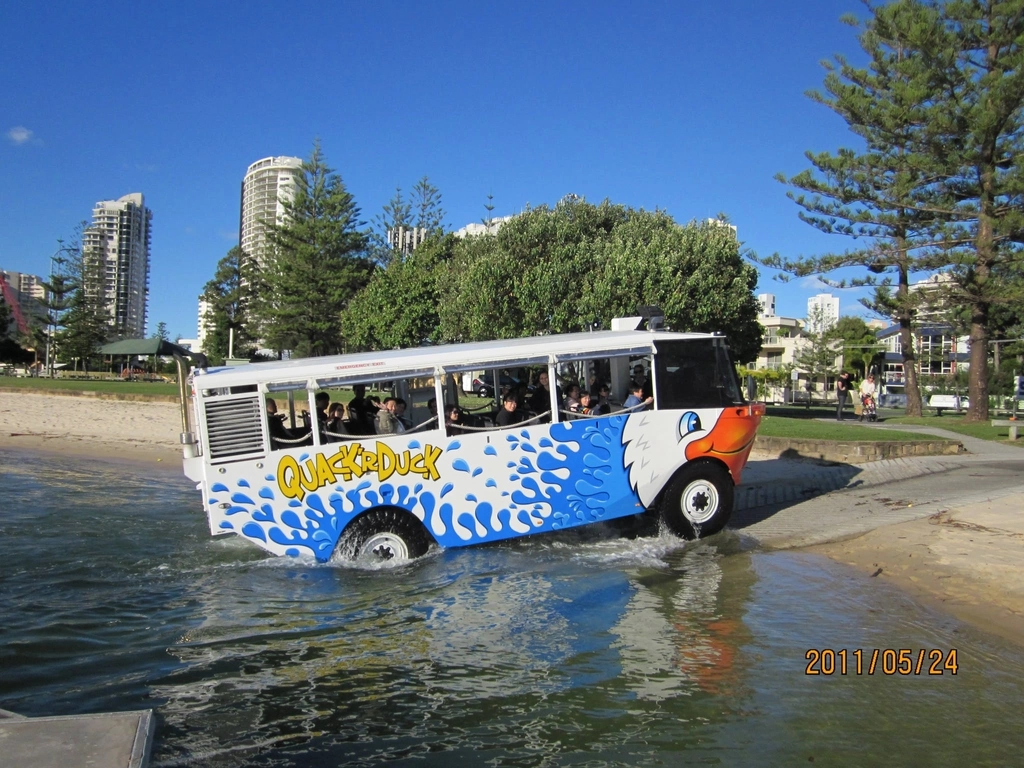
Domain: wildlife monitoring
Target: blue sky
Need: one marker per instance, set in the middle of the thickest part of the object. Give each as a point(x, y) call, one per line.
point(690, 107)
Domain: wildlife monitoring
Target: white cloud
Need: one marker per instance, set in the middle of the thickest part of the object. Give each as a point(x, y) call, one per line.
point(19, 134)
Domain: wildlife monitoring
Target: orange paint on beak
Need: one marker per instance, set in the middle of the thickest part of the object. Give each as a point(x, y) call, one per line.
point(731, 439)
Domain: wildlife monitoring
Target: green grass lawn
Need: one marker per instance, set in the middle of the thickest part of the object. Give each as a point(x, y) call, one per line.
point(809, 429)
point(89, 385)
point(955, 423)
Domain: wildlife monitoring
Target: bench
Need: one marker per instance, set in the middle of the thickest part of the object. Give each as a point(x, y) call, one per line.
point(1007, 423)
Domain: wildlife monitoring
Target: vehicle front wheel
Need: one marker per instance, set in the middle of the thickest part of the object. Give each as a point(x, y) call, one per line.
point(383, 536)
point(698, 501)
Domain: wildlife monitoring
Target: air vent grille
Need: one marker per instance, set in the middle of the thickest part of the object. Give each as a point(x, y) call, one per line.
point(233, 429)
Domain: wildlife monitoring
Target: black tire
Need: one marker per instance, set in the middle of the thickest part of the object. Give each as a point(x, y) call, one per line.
point(482, 392)
point(381, 536)
point(698, 500)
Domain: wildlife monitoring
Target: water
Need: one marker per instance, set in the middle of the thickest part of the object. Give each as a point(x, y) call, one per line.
point(589, 649)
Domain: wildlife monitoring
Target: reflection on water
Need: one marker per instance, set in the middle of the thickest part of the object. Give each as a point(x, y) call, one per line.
point(587, 648)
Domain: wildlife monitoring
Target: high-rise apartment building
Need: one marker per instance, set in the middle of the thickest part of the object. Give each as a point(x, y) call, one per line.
point(27, 294)
point(204, 325)
point(268, 183)
point(822, 312)
point(120, 236)
point(766, 304)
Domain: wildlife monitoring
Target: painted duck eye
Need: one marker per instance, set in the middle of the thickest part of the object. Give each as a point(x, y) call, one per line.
point(689, 423)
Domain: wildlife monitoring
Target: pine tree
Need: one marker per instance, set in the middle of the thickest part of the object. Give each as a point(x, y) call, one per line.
point(976, 66)
point(229, 298)
point(394, 217)
point(939, 183)
point(426, 202)
point(874, 193)
point(87, 319)
point(488, 220)
point(317, 262)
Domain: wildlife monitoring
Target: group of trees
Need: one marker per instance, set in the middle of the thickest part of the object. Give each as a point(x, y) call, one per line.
point(75, 319)
point(569, 268)
point(936, 181)
point(76, 309)
point(327, 285)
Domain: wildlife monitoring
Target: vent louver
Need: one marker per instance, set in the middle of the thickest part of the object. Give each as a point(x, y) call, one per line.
point(233, 429)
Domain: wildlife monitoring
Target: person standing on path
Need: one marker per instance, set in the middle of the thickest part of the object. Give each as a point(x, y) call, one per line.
point(842, 392)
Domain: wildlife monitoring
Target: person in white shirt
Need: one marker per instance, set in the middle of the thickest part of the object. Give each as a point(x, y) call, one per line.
point(867, 397)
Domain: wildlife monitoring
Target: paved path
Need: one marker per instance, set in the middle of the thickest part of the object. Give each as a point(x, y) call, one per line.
point(786, 503)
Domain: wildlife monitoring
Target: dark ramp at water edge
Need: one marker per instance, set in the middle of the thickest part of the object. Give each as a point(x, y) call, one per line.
point(588, 648)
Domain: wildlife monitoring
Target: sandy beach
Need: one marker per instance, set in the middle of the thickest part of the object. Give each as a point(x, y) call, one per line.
point(138, 431)
point(964, 561)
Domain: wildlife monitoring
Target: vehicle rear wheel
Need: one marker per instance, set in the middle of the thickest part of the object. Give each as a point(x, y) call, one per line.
point(482, 392)
point(383, 536)
point(698, 501)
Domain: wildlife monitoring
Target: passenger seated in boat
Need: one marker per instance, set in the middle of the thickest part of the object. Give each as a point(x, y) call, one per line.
point(388, 422)
point(636, 398)
point(360, 412)
point(335, 427)
point(572, 398)
point(508, 415)
point(588, 404)
point(280, 435)
point(453, 420)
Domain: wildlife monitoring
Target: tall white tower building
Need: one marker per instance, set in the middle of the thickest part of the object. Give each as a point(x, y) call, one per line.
point(267, 184)
point(822, 312)
point(120, 235)
point(766, 304)
point(204, 328)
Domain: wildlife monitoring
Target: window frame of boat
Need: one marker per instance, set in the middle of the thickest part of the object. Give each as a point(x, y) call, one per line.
point(441, 374)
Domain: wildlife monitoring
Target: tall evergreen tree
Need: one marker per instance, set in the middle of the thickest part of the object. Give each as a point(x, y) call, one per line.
point(395, 216)
point(420, 211)
point(940, 181)
point(229, 297)
point(976, 68)
point(488, 220)
point(426, 204)
point(87, 319)
point(873, 193)
point(318, 260)
point(59, 290)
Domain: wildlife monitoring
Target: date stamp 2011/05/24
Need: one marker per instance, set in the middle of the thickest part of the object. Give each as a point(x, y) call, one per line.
point(880, 661)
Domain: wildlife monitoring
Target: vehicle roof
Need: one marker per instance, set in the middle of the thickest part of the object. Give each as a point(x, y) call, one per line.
point(367, 366)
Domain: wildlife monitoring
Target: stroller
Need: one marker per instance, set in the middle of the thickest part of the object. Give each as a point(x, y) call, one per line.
point(868, 408)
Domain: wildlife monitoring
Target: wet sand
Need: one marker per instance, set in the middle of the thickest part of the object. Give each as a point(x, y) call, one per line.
point(966, 562)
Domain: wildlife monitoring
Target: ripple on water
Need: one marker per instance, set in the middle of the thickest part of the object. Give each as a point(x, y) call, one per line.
point(588, 646)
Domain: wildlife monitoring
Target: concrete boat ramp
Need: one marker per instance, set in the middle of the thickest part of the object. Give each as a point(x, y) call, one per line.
point(107, 740)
